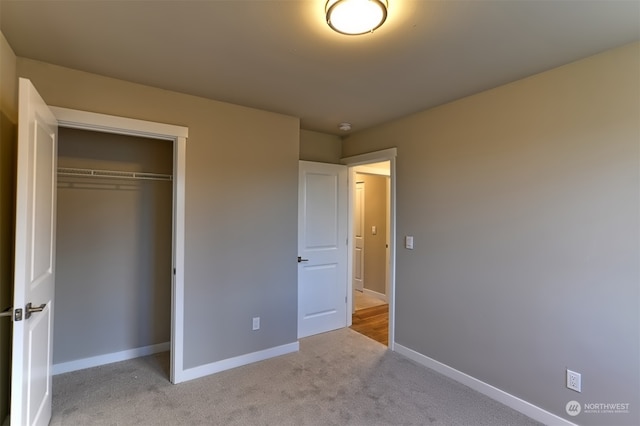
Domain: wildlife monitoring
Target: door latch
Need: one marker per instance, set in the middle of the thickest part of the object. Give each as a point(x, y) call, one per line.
point(10, 312)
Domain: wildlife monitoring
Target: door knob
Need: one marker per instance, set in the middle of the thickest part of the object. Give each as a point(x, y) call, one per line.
point(7, 312)
point(28, 310)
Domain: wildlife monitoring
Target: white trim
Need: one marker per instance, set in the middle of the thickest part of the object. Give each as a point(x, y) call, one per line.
point(351, 208)
point(370, 157)
point(387, 237)
point(128, 126)
point(238, 361)
point(113, 124)
point(374, 294)
point(177, 289)
point(94, 361)
point(352, 162)
point(492, 392)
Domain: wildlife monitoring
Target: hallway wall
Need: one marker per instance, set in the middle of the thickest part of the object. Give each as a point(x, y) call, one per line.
point(375, 245)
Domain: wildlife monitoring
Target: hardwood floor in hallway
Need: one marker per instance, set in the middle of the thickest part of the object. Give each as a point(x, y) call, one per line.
point(373, 322)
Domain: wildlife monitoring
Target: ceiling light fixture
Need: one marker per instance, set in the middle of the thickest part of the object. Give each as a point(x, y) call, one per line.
point(354, 17)
point(345, 127)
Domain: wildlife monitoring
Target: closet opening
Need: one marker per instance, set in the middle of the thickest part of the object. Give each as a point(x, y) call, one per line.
point(114, 252)
point(177, 136)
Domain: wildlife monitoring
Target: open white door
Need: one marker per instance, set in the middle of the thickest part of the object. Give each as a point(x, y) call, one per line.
point(34, 260)
point(322, 248)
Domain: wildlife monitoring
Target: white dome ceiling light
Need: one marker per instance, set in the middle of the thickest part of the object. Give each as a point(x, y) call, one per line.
point(354, 17)
point(345, 127)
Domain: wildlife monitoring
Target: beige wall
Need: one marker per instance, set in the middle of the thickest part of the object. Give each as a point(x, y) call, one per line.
point(375, 214)
point(524, 204)
point(8, 129)
point(320, 147)
point(9, 87)
point(241, 207)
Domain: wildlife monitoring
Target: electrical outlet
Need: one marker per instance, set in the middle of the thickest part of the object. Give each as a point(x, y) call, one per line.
point(256, 323)
point(574, 381)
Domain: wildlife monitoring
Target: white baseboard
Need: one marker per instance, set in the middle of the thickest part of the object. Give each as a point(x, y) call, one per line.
point(81, 364)
point(492, 392)
point(238, 361)
point(375, 294)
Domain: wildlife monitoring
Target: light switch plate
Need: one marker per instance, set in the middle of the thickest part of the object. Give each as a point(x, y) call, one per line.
point(408, 242)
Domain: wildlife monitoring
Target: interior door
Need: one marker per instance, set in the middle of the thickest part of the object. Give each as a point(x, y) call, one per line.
point(322, 248)
point(34, 260)
point(358, 238)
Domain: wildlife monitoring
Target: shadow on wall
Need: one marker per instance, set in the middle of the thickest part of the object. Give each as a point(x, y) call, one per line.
point(8, 134)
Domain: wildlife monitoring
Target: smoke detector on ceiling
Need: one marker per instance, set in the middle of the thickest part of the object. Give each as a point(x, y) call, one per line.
point(345, 127)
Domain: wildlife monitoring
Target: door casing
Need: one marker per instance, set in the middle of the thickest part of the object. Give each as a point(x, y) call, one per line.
point(178, 135)
point(358, 234)
point(359, 160)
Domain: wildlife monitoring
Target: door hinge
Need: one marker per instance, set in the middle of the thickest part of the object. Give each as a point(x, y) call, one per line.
point(174, 271)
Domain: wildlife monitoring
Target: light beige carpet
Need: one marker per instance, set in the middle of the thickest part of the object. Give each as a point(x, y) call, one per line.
point(337, 378)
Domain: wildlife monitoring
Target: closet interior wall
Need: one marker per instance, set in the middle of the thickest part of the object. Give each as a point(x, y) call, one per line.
point(114, 246)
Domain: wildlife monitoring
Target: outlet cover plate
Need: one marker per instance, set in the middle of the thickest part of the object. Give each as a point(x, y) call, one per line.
point(574, 381)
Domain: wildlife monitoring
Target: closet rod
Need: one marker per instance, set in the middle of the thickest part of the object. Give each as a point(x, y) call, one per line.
point(66, 171)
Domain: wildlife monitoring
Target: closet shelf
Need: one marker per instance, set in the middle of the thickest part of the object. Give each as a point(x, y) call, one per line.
point(66, 171)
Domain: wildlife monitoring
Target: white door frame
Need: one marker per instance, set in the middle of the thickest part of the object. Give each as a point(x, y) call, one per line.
point(84, 120)
point(358, 215)
point(359, 160)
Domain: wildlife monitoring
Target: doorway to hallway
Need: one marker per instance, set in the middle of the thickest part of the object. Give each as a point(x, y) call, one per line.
point(370, 234)
point(319, 232)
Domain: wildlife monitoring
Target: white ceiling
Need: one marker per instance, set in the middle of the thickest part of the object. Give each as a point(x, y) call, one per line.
point(280, 55)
